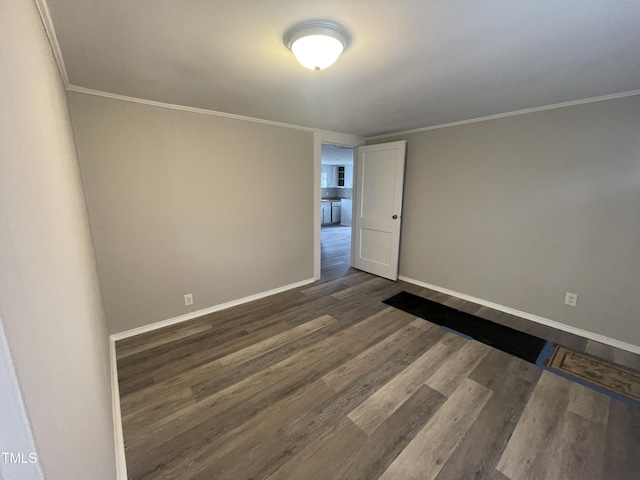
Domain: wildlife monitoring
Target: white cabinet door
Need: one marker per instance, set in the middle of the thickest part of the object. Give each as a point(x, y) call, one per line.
point(379, 180)
point(348, 176)
point(325, 213)
point(335, 212)
point(345, 214)
point(330, 172)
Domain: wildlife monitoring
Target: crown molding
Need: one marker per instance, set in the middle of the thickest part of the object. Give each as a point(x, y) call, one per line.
point(202, 111)
point(45, 16)
point(601, 98)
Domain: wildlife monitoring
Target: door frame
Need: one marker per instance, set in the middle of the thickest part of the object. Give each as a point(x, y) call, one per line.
point(320, 137)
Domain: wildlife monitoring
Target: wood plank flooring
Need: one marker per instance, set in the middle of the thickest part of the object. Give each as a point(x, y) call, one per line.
point(335, 249)
point(327, 382)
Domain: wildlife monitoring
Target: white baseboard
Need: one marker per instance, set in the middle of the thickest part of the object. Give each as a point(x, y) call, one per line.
point(121, 461)
point(529, 316)
point(205, 311)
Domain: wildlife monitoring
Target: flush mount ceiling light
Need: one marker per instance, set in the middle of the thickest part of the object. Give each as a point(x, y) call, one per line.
point(317, 45)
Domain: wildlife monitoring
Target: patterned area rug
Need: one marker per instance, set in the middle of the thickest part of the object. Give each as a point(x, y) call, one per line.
point(611, 379)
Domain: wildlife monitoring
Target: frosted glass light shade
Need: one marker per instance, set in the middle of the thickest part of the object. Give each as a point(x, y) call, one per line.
point(317, 52)
point(317, 45)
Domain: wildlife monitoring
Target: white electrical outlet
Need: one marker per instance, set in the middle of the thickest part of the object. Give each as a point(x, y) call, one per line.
point(188, 299)
point(571, 299)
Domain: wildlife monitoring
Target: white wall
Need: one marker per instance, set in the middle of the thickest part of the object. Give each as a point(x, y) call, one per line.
point(519, 210)
point(184, 202)
point(50, 303)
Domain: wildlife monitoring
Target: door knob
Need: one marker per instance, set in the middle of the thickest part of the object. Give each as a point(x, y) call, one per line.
point(395, 217)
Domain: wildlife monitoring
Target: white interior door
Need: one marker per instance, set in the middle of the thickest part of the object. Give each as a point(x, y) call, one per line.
point(378, 208)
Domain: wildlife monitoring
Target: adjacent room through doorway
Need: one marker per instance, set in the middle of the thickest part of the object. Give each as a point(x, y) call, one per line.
point(336, 183)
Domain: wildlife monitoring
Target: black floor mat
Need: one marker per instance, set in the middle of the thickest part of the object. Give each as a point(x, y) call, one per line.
point(519, 344)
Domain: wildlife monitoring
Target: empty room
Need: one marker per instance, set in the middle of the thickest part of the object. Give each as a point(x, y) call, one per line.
point(278, 239)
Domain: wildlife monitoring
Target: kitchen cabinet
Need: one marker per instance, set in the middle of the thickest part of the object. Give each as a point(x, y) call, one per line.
point(345, 214)
point(348, 176)
point(329, 176)
point(335, 212)
point(330, 212)
point(336, 176)
point(325, 212)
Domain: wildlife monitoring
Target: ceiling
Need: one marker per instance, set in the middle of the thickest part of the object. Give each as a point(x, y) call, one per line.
point(336, 155)
point(412, 63)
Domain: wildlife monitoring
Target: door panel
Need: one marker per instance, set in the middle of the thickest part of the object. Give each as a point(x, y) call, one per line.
point(378, 173)
point(379, 181)
point(375, 246)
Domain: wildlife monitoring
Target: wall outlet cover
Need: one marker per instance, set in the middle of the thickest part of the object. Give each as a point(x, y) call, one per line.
point(188, 299)
point(571, 299)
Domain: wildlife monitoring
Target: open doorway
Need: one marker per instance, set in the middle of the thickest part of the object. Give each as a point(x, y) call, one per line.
point(336, 186)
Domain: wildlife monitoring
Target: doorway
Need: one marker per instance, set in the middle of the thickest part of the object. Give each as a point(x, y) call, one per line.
point(336, 207)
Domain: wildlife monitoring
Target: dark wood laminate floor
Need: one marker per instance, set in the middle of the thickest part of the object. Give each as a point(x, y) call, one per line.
point(326, 382)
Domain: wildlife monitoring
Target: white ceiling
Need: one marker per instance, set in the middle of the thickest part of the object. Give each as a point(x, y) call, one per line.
point(336, 155)
point(412, 63)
